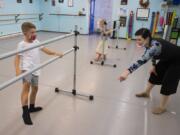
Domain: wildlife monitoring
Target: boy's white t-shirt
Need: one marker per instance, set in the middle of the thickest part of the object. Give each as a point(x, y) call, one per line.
point(31, 58)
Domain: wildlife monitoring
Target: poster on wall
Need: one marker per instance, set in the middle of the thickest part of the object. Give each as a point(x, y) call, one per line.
point(123, 21)
point(124, 2)
point(70, 3)
point(53, 3)
point(61, 1)
point(123, 12)
point(1, 3)
point(19, 1)
point(142, 13)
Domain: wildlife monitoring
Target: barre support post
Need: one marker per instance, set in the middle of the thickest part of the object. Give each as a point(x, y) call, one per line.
point(74, 91)
point(117, 31)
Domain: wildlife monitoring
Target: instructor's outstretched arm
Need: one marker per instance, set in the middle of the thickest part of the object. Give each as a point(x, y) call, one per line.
point(148, 54)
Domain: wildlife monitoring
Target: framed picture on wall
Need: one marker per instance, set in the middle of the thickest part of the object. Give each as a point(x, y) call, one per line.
point(53, 2)
point(30, 1)
point(61, 1)
point(123, 21)
point(142, 14)
point(124, 2)
point(70, 3)
point(19, 1)
point(1, 3)
point(123, 12)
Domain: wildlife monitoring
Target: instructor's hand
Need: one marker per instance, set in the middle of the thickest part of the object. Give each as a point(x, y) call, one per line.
point(124, 75)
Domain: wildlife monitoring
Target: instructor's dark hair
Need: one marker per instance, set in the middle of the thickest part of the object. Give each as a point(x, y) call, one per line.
point(145, 33)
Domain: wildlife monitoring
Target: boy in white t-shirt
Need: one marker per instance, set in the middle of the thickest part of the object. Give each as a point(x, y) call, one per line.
point(26, 61)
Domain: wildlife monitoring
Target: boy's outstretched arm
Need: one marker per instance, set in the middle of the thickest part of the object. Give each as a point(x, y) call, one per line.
point(50, 52)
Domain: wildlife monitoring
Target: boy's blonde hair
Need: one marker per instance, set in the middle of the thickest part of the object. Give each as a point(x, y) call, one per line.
point(26, 26)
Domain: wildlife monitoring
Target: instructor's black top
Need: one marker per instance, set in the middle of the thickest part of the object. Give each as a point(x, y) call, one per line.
point(159, 50)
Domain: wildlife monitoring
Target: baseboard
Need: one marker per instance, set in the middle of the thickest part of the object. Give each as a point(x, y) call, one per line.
point(20, 33)
point(11, 35)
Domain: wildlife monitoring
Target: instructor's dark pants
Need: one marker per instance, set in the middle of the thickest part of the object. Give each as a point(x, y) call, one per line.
point(168, 75)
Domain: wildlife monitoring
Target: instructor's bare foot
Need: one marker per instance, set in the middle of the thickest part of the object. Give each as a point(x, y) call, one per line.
point(143, 94)
point(158, 110)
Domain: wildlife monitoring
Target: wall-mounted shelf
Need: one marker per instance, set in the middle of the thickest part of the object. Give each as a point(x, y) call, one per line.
point(68, 14)
point(5, 20)
point(20, 14)
point(17, 17)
